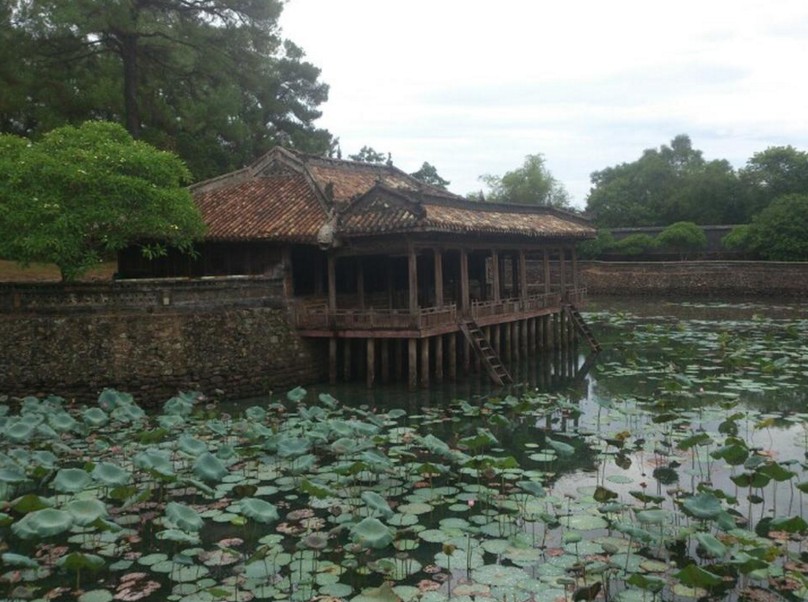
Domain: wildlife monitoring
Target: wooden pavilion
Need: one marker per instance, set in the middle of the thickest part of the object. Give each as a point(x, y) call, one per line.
point(402, 279)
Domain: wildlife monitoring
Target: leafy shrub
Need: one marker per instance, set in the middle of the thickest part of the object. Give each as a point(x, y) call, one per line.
point(635, 244)
point(683, 238)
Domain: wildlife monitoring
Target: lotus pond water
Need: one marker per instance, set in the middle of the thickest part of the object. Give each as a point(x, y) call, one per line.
point(676, 470)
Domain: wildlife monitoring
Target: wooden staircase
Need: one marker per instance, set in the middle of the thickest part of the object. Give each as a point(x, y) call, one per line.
point(488, 356)
point(582, 327)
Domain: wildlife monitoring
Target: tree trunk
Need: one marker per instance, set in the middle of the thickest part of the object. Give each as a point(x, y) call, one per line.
point(129, 53)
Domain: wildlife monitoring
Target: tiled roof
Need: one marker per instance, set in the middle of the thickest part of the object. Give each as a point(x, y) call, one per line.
point(289, 196)
point(386, 210)
point(279, 207)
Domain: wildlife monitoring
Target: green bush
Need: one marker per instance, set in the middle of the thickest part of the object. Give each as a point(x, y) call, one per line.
point(683, 238)
point(780, 231)
point(635, 244)
point(591, 249)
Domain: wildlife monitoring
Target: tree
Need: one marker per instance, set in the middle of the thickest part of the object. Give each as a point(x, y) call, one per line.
point(210, 79)
point(683, 238)
point(772, 173)
point(83, 193)
point(368, 154)
point(594, 248)
point(635, 244)
point(738, 240)
point(429, 175)
point(531, 184)
point(670, 184)
point(780, 231)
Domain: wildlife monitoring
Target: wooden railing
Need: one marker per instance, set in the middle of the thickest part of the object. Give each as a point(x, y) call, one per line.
point(575, 296)
point(314, 314)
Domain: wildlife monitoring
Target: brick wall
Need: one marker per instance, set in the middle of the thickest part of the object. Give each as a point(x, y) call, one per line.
point(696, 278)
point(151, 340)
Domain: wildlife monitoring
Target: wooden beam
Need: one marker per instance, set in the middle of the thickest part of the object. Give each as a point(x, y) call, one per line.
point(371, 362)
point(332, 283)
point(332, 360)
point(425, 362)
point(412, 364)
point(522, 275)
point(360, 282)
point(495, 286)
point(438, 278)
point(464, 282)
point(412, 271)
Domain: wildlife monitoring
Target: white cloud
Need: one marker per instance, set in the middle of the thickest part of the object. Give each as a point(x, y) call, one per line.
point(473, 87)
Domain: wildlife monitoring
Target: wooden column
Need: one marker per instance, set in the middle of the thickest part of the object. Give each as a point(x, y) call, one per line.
point(389, 280)
point(466, 348)
point(523, 338)
point(546, 261)
point(496, 342)
point(398, 359)
point(371, 362)
point(439, 358)
point(412, 364)
point(464, 282)
point(425, 362)
point(522, 275)
point(561, 271)
point(495, 286)
point(332, 284)
point(412, 271)
point(438, 278)
point(360, 282)
point(515, 341)
point(574, 268)
point(507, 342)
point(531, 336)
point(332, 360)
point(453, 355)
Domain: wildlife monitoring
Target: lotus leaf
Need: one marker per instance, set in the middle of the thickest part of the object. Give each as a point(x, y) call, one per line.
point(12, 559)
point(86, 512)
point(259, 510)
point(158, 460)
point(71, 480)
point(109, 399)
point(128, 413)
point(43, 523)
point(19, 431)
point(296, 394)
point(565, 450)
point(711, 544)
point(12, 474)
point(377, 503)
point(191, 445)
point(44, 458)
point(76, 561)
point(184, 517)
point(61, 421)
point(170, 421)
point(209, 468)
point(694, 576)
point(702, 505)
point(533, 488)
point(178, 406)
point(372, 533)
point(289, 447)
point(110, 474)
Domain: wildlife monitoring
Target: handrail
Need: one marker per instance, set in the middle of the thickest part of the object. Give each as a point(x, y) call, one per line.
point(315, 315)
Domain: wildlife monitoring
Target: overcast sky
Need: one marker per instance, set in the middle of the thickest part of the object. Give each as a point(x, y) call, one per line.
point(472, 87)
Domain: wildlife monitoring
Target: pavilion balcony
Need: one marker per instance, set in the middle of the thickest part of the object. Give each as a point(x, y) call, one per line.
point(313, 317)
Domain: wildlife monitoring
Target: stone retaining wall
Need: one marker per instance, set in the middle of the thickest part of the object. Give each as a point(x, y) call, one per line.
point(696, 278)
point(232, 336)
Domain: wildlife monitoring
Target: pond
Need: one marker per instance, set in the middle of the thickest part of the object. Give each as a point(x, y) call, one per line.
point(673, 467)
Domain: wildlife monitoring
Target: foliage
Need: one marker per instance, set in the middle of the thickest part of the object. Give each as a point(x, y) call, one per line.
point(780, 231)
point(635, 244)
point(772, 173)
point(429, 175)
point(212, 80)
point(739, 239)
point(530, 184)
point(82, 193)
point(368, 154)
point(590, 249)
point(666, 185)
point(683, 237)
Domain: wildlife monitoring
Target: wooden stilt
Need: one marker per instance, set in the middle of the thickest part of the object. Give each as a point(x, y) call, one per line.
point(371, 362)
point(425, 362)
point(523, 339)
point(496, 342)
point(531, 336)
point(439, 358)
point(453, 355)
point(332, 360)
point(515, 341)
point(466, 348)
point(412, 363)
point(506, 343)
